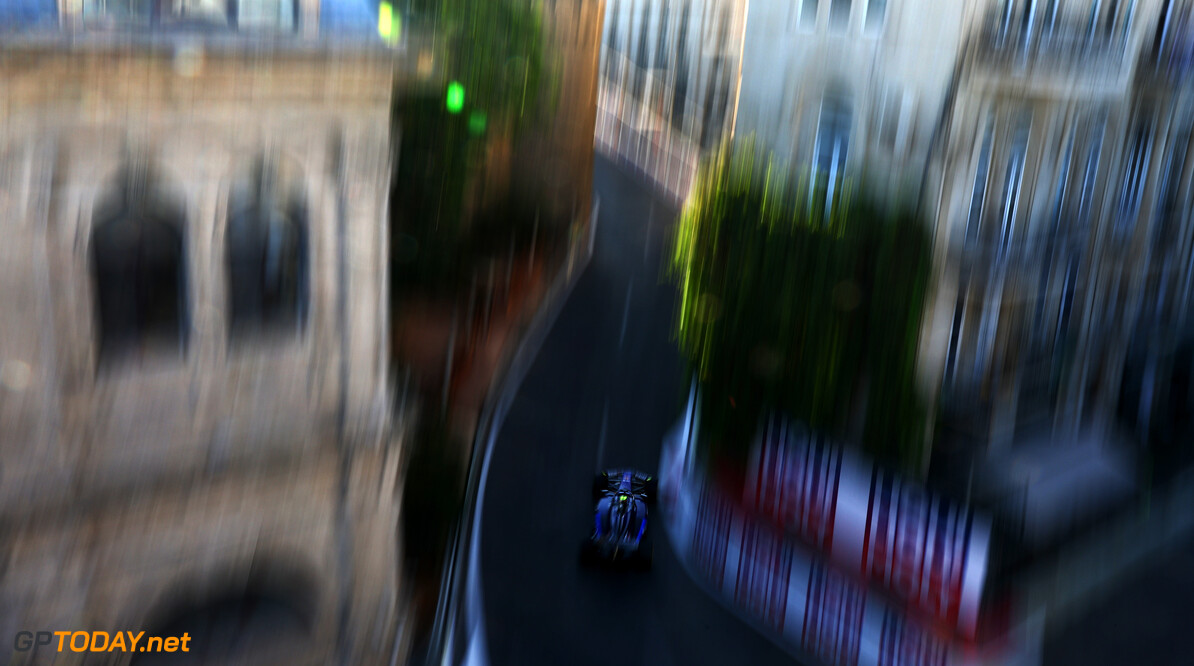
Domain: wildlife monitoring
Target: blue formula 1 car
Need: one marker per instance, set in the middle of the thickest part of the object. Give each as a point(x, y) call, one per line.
point(620, 535)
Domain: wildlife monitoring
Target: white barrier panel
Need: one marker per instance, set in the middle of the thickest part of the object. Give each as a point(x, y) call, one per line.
point(790, 590)
point(923, 549)
point(826, 612)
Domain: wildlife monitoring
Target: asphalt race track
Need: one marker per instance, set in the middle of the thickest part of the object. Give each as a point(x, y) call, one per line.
point(602, 392)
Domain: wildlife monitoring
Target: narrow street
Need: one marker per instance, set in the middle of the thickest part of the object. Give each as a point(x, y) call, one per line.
point(1145, 620)
point(603, 391)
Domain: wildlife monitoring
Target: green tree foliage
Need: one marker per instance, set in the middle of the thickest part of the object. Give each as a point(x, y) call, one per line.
point(433, 495)
point(435, 156)
point(791, 303)
point(496, 51)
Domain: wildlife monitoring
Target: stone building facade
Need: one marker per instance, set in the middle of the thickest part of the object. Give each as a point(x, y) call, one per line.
point(196, 405)
point(1046, 141)
point(1047, 144)
point(1060, 337)
point(680, 60)
point(1064, 198)
point(843, 85)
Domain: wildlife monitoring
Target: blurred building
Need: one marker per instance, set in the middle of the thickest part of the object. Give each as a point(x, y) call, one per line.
point(847, 84)
point(195, 412)
point(679, 60)
point(562, 152)
point(1154, 392)
point(1047, 141)
point(1063, 224)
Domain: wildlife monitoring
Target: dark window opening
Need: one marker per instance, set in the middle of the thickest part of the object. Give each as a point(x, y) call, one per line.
point(613, 26)
point(1012, 183)
point(1086, 200)
point(679, 105)
point(1027, 14)
point(1063, 189)
point(662, 52)
point(137, 257)
point(266, 260)
point(1134, 180)
point(1068, 290)
point(1167, 207)
point(808, 14)
point(642, 55)
point(955, 336)
point(875, 11)
point(1110, 17)
point(839, 14)
point(833, 147)
point(979, 191)
point(1162, 28)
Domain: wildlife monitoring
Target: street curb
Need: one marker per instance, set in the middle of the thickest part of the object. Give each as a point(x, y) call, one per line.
point(626, 163)
point(458, 636)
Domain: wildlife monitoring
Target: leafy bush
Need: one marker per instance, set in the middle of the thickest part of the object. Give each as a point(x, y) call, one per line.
point(428, 194)
point(793, 302)
point(496, 52)
point(433, 496)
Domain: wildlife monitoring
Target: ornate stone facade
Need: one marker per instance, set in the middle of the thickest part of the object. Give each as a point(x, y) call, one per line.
point(1063, 176)
point(137, 488)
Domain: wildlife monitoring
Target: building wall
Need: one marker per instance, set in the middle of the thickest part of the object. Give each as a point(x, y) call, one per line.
point(561, 152)
point(1055, 281)
point(893, 69)
point(920, 86)
point(680, 59)
point(126, 484)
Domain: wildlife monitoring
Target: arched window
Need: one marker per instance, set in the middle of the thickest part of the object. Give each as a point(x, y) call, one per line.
point(137, 253)
point(266, 256)
point(269, 614)
point(833, 146)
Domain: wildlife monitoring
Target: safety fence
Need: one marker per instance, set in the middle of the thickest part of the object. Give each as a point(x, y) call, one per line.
point(795, 595)
point(923, 549)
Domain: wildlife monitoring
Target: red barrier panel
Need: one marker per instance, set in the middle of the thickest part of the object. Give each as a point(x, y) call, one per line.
point(833, 619)
point(764, 568)
point(921, 548)
point(905, 644)
point(711, 534)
